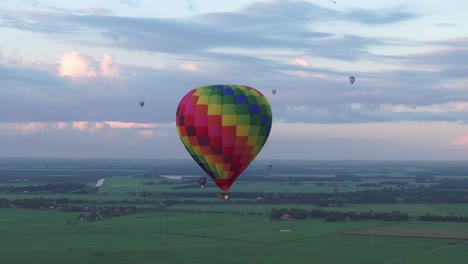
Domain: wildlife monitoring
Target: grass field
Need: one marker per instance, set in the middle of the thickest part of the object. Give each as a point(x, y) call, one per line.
point(130, 184)
point(45, 237)
point(39, 236)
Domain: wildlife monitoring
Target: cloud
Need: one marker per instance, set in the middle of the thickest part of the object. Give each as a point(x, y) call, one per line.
point(190, 66)
point(72, 64)
point(268, 25)
point(108, 67)
point(296, 108)
point(381, 16)
point(61, 125)
point(378, 140)
point(256, 45)
point(29, 128)
point(15, 59)
point(146, 133)
point(115, 124)
point(302, 62)
point(75, 65)
point(357, 106)
point(96, 11)
point(460, 141)
point(131, 3)
point(38, 139)
point(80, 125)
point(449, 25)
point(441, 57)
point(436, 108)
point(141, 129)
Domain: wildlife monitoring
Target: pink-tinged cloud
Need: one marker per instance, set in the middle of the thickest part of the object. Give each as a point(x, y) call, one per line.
point(106, 129)
point(86, 126)
point(302, 62)
point(460, 141)
point(116, 124)
point(80, 125)
point(108, 67)
point(190, 66)
point(99, 125)
point(30, 128)
point(61, 125)
point(75, 65)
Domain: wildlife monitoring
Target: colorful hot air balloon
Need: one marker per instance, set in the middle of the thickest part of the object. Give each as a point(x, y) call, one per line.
point(352, 79)
point(142, 104)
point(224, 127)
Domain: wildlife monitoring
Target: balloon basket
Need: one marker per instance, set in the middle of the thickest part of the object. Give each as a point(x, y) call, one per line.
point(224, 196)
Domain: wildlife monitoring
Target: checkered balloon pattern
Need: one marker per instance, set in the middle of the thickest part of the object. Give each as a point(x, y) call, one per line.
point(224, 127)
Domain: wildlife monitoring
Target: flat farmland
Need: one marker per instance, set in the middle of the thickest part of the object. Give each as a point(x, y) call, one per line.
point(32, 236)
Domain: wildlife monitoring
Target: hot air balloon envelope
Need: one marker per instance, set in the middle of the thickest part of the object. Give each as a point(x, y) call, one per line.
point(142, 104)
point(273, 92)
point(352, 79)
point(202, 181)
point(224, 127)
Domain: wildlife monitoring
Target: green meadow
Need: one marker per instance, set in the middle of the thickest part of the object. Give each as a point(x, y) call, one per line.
point(129, 184)
point(45, 237)
point(180, 236)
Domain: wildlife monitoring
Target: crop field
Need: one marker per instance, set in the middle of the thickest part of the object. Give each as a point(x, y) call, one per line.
point(129, 184)
point(198, 228)
point(46, 237)
point(404, 232)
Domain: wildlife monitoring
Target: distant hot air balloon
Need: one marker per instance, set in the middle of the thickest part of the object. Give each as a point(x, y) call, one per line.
point(202, 181)
point(273, 91)
point(352, 79)
point(224, 127)
point(142, 104)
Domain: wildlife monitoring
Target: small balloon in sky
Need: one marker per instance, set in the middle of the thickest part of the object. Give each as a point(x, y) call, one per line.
point(273, 91)
point(142, 104)
point(352, 79)
point(202, 181)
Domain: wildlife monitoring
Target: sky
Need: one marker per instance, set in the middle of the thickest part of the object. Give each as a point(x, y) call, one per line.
point(72, 74)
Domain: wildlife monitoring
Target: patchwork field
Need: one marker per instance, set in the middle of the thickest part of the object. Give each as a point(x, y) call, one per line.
point(404, 232)
point(226, 236)
point(31, 236)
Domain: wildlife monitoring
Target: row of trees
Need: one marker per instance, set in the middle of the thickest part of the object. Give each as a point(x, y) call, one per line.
point(99, 213)
point(444, 218)
point(215, 212)
point(385, 195)
point(333, 216)
point(62, 187)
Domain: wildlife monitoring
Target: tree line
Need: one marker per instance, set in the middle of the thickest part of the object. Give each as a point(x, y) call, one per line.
point(335, 216)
